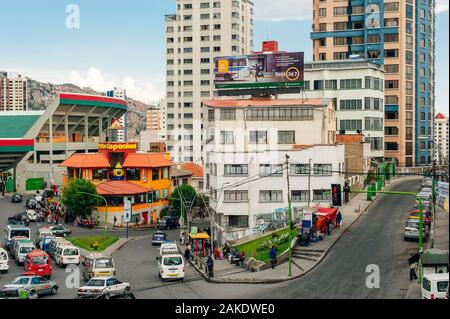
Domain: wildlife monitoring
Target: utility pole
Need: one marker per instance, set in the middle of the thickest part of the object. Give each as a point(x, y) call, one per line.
point(433, 191)
point(289, 215)
point(309, 182)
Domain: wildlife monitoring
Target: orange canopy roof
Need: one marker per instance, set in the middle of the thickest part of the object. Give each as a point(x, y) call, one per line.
point(87, 161)
point(120, 188)
point(146, 160)
point(196, 170)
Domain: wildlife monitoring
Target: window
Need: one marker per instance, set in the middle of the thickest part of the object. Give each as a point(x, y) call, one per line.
point(155, 174)
point(350, 125)
point(340, 11)
point(330, 84)
point(270, 196)
point(340, 55)
point(238, 221)
point(350, 104)
point(205, 82)
point(299, 195)
point(391, 37)
point(339, 26)
point(322, 12)
point(133, 174)
point(391, 6)
point(258, 137)
point(294, 113)
point(373, 124)
point(339, 41)
point(299, 169)
point(391, 68)
point(391, 84)
point(271, 169)
point(235, 169)
point(205, 60)
point(286, 137)
point(351, 84)
point(226, 137)
point(322, 195)
point(235, 196)
point(322, 169)
point(227, 115)
point(376, 144)
point(211, 115)
point(391, 53)
point(99, 174)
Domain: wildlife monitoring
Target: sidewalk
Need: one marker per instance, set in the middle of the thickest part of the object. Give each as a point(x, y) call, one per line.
point(304, 259)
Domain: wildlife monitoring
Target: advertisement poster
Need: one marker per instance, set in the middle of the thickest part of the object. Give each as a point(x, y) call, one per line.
point(443, 195)
point(284, 69)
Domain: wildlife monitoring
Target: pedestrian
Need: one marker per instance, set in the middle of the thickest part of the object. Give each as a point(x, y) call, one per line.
point(137, 221)
point(49, 219)
point(115, 221)
point(187, 252)
point(412, 271)
point(338, 219)
point(328, 227)
point(273, 257)
point(208, 247)
point(210, 265)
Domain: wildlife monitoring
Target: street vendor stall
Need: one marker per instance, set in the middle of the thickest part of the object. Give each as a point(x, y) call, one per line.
point(198, 242)
point(323, 215)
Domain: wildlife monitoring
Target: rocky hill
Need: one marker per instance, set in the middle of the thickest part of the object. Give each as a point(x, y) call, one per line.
point(41, 95)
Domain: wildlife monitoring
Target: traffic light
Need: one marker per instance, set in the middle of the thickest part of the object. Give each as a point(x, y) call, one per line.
point(150, 197)
point(337, 194)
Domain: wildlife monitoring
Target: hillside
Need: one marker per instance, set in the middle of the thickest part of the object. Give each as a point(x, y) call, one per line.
point(41, 94)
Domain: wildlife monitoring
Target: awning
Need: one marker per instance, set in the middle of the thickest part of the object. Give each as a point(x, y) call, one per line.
point(146, 160)
point(87, 161)
point(120, 188)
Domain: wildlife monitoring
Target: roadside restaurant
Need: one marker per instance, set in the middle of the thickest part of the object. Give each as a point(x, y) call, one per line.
point(120, 173)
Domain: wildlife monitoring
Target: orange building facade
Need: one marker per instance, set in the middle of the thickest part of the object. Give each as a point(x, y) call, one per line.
point(120, 173)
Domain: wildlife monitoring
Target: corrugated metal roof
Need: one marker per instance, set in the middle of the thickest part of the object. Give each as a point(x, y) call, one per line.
point(15, 125)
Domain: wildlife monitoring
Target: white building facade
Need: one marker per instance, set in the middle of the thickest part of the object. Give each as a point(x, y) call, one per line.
point(441, 139)
point(120, 93)
point(357, 89)
point(199, 31)
point(245, 171)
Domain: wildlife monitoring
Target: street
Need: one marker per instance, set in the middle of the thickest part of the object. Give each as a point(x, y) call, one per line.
point(375, 239)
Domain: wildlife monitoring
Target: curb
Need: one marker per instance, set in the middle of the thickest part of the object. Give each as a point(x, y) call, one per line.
point(85, 252)
point(272, 281)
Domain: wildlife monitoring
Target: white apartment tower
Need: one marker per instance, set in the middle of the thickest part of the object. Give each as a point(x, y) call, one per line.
point(120, 93)
point(13, 92)
point(441, 138)
point(199, 31)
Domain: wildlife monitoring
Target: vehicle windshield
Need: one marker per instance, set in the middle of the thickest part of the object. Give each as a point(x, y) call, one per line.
point(412, 225)
point(20, 233)
point(25, 250)
point(96, 283)
point(104, 263)
point(172, 261)
point(48, 239)
point(39, 260)
point(70, 252)
point(3, 256)
point(21, 281)
point(442, 286)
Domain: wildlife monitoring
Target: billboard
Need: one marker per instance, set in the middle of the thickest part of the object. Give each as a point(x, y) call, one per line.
point(116, 125)
point(274, 70)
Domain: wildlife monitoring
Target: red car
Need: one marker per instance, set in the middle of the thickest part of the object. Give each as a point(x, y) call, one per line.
point(38, 263)
point(426, 216)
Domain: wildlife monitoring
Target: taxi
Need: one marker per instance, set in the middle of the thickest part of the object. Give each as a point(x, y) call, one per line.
point(38, 263)
point(36, 284)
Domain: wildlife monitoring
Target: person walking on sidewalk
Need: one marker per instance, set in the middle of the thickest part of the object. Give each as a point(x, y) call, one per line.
point(115, 221)
point(187, 252)
point(273, 257)
point(210, 265)
point(412, 271)
point(338, 219)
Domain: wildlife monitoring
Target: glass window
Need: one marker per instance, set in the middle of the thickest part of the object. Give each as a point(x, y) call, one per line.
point(270, 196)
point(322, 169)
point(227, 115)
point(235, 169)
point(226, 137)
point(299, 169)
point(286, 137)
point(155, 174)
point(133, 174)
point(271, 169)
point(322, 195)
point(299, 195)
point(258, 137)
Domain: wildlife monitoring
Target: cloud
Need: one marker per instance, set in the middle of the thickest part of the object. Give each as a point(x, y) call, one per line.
point(282, 10)
point(144, 91)
point(441, 6)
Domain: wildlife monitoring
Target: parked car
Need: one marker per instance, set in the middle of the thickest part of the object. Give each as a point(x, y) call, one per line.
point(21, 217)
point(38, 263)
point(60, 231)
point(104, 286)
point(435, 286)
point(427, 182)
point(18, 293)
point(32, 215)
point(4, 259)
point(16, 198)
point(31, 203)
point(168, 222)
point(22, 251)
point(159, 238)
point(412, 230)
point(425, 215)
point(37, 284)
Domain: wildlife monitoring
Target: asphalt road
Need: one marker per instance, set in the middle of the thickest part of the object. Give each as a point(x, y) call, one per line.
point(375, 239)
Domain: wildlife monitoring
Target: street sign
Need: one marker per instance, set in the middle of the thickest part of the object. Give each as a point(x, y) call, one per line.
point(194, 231)
point(127, 211)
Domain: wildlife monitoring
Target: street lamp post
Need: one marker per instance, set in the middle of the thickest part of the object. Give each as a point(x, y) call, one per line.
point(106, 208)
point(289, 216)
point(420, 219)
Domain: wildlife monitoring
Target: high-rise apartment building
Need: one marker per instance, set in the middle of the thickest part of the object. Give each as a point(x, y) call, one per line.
point(441, 138)
point(153, 119)
point(120, 93)
point(399, 34)
point(199, 31)
point(13, 92)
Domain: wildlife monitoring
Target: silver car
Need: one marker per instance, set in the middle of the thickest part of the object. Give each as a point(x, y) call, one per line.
point(37, 284)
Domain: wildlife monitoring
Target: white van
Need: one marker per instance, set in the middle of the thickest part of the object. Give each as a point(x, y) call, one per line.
point(97, 265)
point(12, 231)
point(67, 255)
point(22, 250)
point(171, 266)
point(4, 266)
point(434, 286)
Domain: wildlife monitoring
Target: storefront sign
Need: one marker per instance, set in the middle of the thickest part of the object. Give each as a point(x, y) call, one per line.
point(118, 147)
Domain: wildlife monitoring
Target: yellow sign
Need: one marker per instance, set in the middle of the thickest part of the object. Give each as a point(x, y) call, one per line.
point(118, 171)
point(114, 147)
point(223, 66)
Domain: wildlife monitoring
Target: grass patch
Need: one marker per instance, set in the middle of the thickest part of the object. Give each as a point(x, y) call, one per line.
point(256, 249)
point(95, 244)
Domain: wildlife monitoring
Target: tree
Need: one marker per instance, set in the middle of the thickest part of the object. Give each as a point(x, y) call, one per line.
point(202, 202)
point(79, 204)
point(183, 194)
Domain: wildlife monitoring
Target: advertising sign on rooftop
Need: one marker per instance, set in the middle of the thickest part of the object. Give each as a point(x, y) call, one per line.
point(274, 70)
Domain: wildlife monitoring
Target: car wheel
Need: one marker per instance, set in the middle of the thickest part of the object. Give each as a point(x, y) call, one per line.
point(4, 271)
point(54, 291)
point(107, 296)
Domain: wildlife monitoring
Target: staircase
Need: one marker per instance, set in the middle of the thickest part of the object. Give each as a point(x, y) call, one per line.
point(303, 253)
